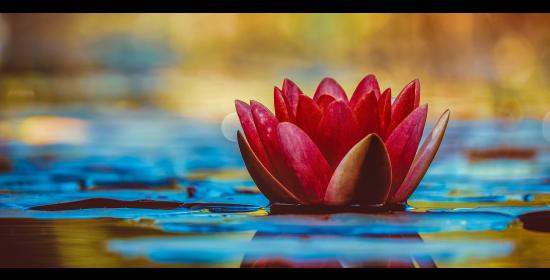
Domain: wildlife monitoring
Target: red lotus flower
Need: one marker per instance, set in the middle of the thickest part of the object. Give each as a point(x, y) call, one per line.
point(331, 150)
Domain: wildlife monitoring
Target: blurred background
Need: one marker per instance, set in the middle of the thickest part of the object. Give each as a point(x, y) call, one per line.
point(479, 65)
point(130, 106)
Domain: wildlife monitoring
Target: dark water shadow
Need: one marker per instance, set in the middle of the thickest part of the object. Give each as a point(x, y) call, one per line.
point(536, 221)
point(97, 203)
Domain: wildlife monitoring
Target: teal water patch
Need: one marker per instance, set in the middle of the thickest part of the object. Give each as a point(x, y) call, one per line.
point(351, 251)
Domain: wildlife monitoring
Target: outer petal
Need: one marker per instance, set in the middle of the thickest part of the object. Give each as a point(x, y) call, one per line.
point(366, 111)
point(280, 106)
point(291, 92)
point(363, 176)
point(247, 123)
point(268, 185)
point(402, 144)
point(329, 86)
point(404, 104)
point(310, 169)
point(423, 159)
point(266, 124)
point(384, 111)
point(366, 85)
point(308, 116)
point(338, 131)
point(416, 93)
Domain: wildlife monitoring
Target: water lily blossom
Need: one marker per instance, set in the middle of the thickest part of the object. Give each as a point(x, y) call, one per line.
point(331, 150)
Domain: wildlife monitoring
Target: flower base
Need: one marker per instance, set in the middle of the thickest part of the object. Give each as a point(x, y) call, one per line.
point(283, 208)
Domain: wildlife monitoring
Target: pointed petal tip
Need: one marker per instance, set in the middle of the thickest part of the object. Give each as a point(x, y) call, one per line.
point(329, 86)
point(239, 102)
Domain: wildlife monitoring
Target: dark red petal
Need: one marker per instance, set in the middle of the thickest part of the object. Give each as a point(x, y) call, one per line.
point(366, 85)
point(384, 111)
point(266, 124)
point(363, 176)
point(338, 131)
point(310, 169)
point(265, 181)
point(323, 101)
point(308, 116)
point(249, 128)
point(291, 92)
point(416, 93)
point(280, 106)
point(402, 144)
point(329, 86)
point(366, 112)
point(423, 159)
point(403, 104)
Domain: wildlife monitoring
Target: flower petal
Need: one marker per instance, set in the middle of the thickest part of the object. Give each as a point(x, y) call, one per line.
point(402, 144)
point(280, 106)
point(366, 85)
point(324, 101)
point(423, 159)
point(337, 132)
point(404, 104)
point(291, 92)
point(268, 185)
point(310, 169)
point(366, 112)
point(384, 111)
point(308, 116)
point(329, 86)
point(249, 128)
point(363, 176)
point(266, 124)
point(416, 93)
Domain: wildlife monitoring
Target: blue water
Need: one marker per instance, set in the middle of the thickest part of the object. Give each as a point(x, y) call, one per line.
point(154, 155)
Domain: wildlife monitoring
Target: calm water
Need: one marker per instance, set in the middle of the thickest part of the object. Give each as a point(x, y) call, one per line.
point(149, 188)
